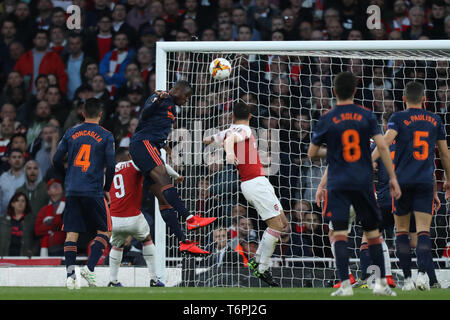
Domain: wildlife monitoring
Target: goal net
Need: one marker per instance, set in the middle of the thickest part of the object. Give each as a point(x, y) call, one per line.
point(288, 85)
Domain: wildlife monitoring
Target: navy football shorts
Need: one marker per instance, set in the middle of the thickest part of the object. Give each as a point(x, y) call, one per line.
point(387, 217)
point(83, 214)
point(146, 156)
point(417, 197)
point(337, 208)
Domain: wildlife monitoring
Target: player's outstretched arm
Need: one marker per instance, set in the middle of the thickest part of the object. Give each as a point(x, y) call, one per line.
point(445, 161)
point(175, 175)
point(385, 155)
point(313, 151)
point(389, 137)
point(110, 163)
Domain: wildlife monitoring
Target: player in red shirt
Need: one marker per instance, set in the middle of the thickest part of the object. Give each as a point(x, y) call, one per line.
point(241, 150)
point(127, 218)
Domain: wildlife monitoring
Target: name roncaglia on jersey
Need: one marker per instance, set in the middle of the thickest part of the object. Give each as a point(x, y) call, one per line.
point(88, 133)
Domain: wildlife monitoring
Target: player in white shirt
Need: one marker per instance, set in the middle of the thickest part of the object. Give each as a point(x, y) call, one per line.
point(241, 150)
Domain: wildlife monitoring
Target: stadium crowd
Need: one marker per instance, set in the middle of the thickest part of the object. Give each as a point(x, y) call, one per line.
point(47, 72)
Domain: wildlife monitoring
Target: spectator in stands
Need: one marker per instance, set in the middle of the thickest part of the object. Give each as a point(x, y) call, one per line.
point(239, 18)
point(221, 253)
point(44, 13)
point(145, 61)
point(119, 23)
point(312, 175)
point(289, 29)
point(305, 30)
point(34, 187)
point(48, 225)
point(12, 179)
point(6, 132)
point(125, 141)
point(355, 35)
point(379, 33)
point(46, 147)
point(41, 117)
point(58, 18)
point(335, 30)
point(25, 24)
point(17, 228)
point(289, 244)
point(245, 230)
point(447, 26)
point(139, 14)
point(8, 33)
point(277, 35)
point(314, 241)
point(260, 15)
point(8, 110)
point(417, 24)
point(208, 35)
point(48, 61)
point(58, 41)
point(173, 16)
point(57, 103)
point(160, 29)
point(244, 33)
point(436, 19)
point(73, 61)
point(94, 15)
point(135, 94)
point(247, 248)
point(351, 15)
point(190, 25)
point(120, 121)
point(100, 42)
point(113, 64)
point(89, 69)
point(300, 209)
point(401, 21)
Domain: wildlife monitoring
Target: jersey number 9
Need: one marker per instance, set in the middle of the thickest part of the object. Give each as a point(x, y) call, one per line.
point(351, 150)
point(119, 185)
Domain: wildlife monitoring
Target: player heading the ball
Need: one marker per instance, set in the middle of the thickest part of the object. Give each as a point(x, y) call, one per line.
point(154, 127)
point(241, 150)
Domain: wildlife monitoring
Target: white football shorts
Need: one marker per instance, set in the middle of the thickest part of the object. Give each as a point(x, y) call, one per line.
point(122, 227)
point(260, 194)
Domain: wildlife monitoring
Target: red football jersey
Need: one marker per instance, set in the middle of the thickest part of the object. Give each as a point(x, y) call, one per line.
point(246, 151)
point(126, 190)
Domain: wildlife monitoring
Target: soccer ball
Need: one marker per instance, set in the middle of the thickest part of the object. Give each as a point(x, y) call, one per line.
point(220, 69)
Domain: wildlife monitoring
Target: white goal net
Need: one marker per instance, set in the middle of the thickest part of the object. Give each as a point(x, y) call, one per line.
point(288, 85)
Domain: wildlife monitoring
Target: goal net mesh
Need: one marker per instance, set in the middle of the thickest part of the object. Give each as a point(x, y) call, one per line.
point(288, 91)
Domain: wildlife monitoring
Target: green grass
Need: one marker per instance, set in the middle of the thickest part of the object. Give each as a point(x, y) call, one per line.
point(104, 293)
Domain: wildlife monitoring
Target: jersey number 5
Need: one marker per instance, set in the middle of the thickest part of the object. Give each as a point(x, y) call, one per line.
point(420, 143)
point(350, 141)
point(82, 158)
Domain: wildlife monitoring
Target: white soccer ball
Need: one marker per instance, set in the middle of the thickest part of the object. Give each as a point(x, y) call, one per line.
point(220, 69)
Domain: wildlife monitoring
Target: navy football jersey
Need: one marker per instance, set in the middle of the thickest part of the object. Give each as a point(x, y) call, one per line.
point(418, 130)
point(155, 121)
point(382, 186)
point(90, 149)
point(346, 130)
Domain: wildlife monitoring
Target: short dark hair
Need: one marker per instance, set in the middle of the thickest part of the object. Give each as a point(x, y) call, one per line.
point(241, 111)
point(93, 107)
point(41, 31)
point(15, 135)
point(344, 85)
point(121, 154)
point(183, 84)
point(414, 91)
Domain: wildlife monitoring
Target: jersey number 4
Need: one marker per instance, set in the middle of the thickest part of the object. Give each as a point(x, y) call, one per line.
point(82, 158)
point(351, 150)
point(419, 142)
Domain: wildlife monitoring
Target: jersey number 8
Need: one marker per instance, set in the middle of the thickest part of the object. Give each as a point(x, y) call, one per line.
point(351, 150)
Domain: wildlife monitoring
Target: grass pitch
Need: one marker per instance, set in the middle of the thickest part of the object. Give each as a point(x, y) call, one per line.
point(178, 293)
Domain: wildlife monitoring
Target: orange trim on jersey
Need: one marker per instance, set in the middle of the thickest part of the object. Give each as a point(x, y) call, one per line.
point(102, 241)
point(152, 153)
point(167, 186)
point(325, 203)
point(393, 206)
point(340, 237)
point(108, 216)
point(432, 208)
point(374, 241)
point(165, 207)
point(70, 248)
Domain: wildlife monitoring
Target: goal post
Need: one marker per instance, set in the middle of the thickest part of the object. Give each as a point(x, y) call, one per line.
point(289, 85)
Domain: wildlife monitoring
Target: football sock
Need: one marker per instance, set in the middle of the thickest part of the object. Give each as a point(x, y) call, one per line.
point(333, 251)
point(173, 198)
point(169, 216)
point(387, 258)
point(115, 258)
point(148, 251)
point(266, 248)
point(423, 251)
point(376, 254)
point(70, 255)
point(364, 258)
point(341, 257)
point(100, 243)
point(404, 253)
